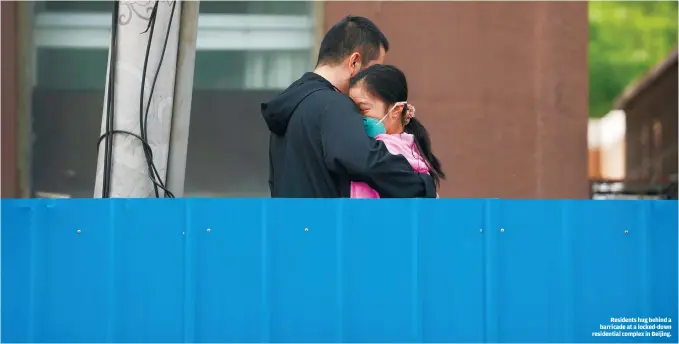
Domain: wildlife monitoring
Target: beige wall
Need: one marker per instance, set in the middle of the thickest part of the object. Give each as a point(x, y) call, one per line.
point(594, 163)
point(606, 144)
point(502, 87)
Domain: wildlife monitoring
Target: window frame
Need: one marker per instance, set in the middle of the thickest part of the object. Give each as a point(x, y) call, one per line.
point(245, 32)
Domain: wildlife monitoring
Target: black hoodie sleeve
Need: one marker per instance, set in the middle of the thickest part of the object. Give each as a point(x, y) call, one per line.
point(348, 149)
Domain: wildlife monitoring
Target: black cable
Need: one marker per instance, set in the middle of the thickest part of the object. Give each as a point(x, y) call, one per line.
point(142, 126)
point(146, 147)
point(143, 116)
point(110, 106)
point(143, 120)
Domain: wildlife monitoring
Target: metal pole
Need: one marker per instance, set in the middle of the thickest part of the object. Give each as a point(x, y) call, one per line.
point(183, 89)
point(129, 170)
point(98, 183)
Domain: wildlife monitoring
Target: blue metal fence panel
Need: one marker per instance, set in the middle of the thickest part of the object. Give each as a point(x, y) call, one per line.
point(661, 292)
point(530, 261)
point(17, 284)
point(451, 251)
point(270, 270)
point(609, 260)
point(226, 271)
point(70, 271)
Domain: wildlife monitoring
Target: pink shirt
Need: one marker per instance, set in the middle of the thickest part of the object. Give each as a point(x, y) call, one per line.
point(403, 144)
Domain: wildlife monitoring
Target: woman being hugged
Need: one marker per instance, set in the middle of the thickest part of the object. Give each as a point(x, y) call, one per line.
point(381, 94)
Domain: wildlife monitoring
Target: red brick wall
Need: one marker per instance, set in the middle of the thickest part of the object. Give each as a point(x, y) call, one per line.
point(8, 98)
point(502, 88)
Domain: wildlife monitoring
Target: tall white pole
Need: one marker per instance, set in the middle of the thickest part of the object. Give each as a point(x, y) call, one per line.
point(129, 168)
point(183, 91)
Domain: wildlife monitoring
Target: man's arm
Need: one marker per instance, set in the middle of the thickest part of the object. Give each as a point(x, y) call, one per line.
point(348, 149)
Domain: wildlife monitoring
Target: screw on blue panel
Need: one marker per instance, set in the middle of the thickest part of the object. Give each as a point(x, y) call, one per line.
point(480, 230)
point(208, 230)
point(78, 231)
point(306, 229)
point(502, 230)
point(626, 232)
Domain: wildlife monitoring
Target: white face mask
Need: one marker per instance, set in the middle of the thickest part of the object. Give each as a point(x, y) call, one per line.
point(390, 110)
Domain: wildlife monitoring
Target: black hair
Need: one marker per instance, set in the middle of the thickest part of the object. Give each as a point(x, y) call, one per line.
point(351, 34)
point(389, 84)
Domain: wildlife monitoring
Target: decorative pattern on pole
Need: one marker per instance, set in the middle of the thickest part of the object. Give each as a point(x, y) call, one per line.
point(129, 169)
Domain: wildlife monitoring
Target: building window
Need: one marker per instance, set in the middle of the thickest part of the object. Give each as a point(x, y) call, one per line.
point(657, 134)
point(658, 155)
point(261, 45)
point(644, 140)
point(247, 51)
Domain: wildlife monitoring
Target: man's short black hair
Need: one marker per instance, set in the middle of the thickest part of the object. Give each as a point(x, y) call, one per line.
point(353, 33)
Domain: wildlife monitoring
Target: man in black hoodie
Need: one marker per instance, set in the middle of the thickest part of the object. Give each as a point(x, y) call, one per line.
point(318, 144)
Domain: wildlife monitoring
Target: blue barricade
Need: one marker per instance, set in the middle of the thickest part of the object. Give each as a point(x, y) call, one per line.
point(271, 270)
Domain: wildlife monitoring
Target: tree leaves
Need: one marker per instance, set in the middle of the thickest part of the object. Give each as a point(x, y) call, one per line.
point(626, 40)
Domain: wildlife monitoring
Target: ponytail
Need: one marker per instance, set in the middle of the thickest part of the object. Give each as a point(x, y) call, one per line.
point(423, 143)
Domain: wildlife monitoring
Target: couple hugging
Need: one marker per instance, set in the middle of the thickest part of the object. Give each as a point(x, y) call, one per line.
point(347, 129)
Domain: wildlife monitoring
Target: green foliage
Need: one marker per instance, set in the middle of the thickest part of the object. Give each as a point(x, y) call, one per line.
point(626, 39)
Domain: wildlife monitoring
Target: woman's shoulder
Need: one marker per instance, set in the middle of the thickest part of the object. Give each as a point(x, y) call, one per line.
point(403, 138)
point(404, 144)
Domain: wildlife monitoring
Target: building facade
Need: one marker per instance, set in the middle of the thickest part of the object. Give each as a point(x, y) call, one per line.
point(651, 115)
point(502, 87)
